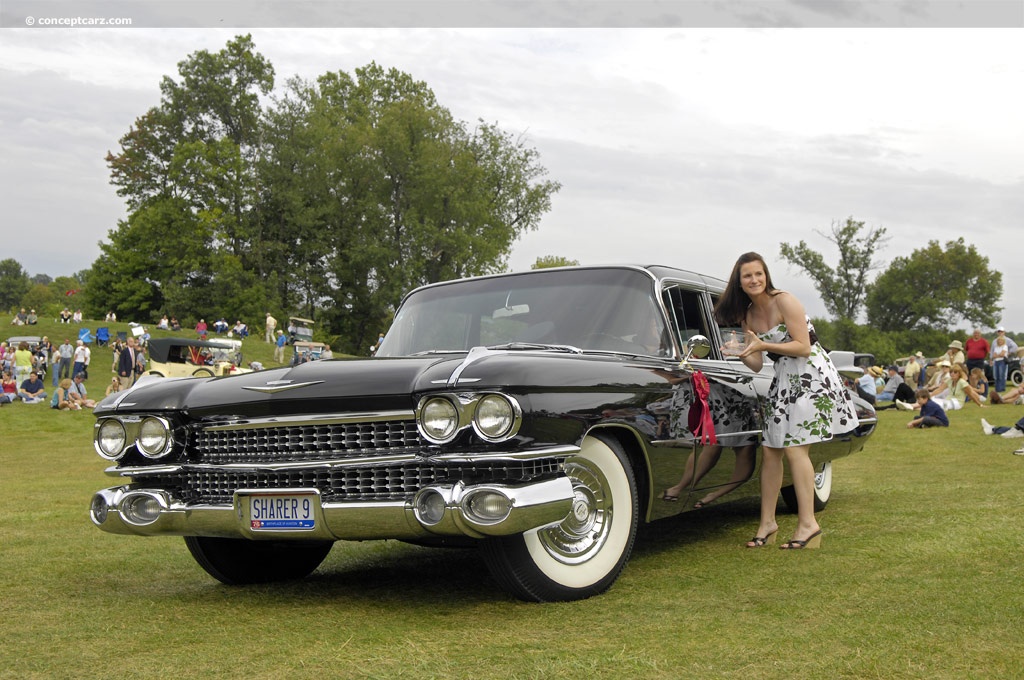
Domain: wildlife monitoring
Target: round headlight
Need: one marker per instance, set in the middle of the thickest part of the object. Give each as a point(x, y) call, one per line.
point(494, 417)
point(110, 439)
point(439, 420)
point(154, 437)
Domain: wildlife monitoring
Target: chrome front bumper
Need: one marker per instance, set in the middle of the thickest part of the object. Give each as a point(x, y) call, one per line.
point(451, 511)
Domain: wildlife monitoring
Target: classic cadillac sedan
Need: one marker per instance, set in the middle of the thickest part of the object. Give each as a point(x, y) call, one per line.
point(539, 416)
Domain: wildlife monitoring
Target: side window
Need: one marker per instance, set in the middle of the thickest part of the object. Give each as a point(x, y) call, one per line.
point(685, 313)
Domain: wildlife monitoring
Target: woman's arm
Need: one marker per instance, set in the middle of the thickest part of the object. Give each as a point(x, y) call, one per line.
point(795, 319)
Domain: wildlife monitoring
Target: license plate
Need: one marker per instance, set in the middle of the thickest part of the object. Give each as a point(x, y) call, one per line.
point(269, 512)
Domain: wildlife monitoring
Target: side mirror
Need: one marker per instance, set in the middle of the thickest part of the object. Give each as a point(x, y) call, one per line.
point(698, 347)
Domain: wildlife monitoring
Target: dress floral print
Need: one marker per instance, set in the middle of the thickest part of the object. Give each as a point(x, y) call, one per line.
point(807, 401)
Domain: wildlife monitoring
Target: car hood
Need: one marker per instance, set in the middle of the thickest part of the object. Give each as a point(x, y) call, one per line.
point(376, 384)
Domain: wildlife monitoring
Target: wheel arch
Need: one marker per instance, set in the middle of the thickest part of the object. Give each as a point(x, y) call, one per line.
point(632, 443)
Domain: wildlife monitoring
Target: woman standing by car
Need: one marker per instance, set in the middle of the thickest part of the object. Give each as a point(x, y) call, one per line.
point(807, 401)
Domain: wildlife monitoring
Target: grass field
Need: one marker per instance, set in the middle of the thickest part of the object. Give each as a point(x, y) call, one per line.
point(919, 576)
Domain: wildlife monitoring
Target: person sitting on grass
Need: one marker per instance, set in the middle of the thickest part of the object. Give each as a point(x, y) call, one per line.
point(932, 414)
point(1014, 395)
point(62, 400)
point(1009, 432)
point(79, 395)
point(32, 390)
point(960, 391)
point(979, 382)
point(10, 389)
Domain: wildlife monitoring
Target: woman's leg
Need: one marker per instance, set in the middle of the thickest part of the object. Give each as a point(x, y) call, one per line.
point(771, 484)
point(802, 472)
point(999, 368)
point(741, 473)
point(707, 459)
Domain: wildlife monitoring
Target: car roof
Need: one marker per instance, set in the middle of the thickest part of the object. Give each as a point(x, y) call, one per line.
point(30, 339)
point(656, 271)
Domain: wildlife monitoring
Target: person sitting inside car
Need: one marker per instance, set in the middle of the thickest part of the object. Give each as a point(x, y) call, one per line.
point(32, 390)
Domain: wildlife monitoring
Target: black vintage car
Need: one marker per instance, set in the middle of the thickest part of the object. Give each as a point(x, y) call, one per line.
point(538, 415)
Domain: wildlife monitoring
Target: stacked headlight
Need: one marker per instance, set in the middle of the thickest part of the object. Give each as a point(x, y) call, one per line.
point(154, 439)
point(110, 439)
point(439, 420)
point(495, 416)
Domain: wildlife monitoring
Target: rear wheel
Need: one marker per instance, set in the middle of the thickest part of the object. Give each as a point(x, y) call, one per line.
point(583, 554)
point(237, 561)
point(1017, 377)
point(822, 490)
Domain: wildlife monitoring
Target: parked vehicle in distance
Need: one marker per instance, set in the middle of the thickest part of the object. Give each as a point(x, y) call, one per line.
point(183, 358)
point(32, 341)
point(306, 351)
point(538, 416)
point(1014, 374)
point(299, 329)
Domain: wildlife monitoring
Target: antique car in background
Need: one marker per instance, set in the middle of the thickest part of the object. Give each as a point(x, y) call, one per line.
point(182, 357)
point(537, 415)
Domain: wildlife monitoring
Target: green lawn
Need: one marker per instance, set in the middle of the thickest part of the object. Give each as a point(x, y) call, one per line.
point(919, 576)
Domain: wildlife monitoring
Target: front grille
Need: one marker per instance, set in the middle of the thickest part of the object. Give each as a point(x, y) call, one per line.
point(298, 443)
point(391, 482)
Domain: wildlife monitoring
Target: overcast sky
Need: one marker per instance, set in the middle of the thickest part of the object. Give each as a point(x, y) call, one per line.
point(683, 145)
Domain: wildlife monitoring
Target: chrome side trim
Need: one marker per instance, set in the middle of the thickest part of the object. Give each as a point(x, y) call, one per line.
point(553, 451)
point(321, 419)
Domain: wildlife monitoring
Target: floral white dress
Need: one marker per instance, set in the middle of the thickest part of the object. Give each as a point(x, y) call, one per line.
point(808, 401)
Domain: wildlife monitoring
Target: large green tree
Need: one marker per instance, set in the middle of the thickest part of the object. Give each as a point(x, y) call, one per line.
point(14, 284)
point(378, 189)
point(331, 201)
point(936, 287)
point(842, 288)
point(187, 172)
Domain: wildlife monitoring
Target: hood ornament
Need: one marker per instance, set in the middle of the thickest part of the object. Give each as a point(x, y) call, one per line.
point(274, 386)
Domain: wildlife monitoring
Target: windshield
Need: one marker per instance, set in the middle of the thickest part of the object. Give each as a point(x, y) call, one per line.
point(610, 310)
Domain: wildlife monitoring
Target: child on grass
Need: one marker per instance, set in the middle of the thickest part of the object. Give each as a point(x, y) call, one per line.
point(932, 414)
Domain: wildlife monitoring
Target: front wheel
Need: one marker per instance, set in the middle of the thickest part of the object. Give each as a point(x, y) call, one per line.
point(1017, 377)
point(202, 373)
point(236, 561)
point(822, 490)
point(583, 554)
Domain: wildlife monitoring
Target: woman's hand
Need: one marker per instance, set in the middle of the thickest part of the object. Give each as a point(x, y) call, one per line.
point(754, 344)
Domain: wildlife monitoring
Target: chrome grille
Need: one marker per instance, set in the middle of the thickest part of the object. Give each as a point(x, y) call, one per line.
point(311, 442)
point(391, 482)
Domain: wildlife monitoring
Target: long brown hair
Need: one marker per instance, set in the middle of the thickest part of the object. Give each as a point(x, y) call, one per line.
point(732, 306)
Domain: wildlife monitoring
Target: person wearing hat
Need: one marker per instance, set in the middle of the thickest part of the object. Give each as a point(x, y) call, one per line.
point(939, 384)
point(955, 353)
point(895, 388)
point(279, 346)
point(912, 371)
point(866, 386)
point(878, 373)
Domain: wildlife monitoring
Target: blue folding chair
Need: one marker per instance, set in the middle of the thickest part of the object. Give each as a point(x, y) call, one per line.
point(102, 336)
point(85, 335)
